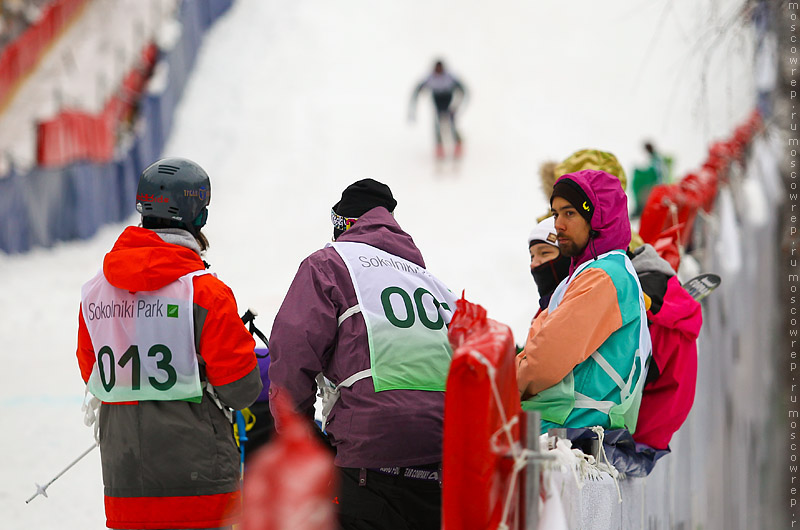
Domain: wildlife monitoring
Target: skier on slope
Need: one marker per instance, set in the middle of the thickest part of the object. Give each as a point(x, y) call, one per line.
point(448, 93)
point(161, 344)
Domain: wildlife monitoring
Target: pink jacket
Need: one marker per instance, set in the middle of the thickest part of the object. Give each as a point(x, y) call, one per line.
point(666, 402)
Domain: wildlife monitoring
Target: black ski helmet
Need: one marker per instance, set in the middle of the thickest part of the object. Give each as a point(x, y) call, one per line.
point(175, 189)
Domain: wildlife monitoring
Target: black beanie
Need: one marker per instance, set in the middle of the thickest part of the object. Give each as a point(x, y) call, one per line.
point(360, 197)
point(570, 191)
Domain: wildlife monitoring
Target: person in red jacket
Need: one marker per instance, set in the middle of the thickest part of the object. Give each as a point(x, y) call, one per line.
point(161, 345)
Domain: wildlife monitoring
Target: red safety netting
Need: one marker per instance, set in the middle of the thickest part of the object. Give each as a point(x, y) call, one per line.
point(20, 57)
point(670, 211)
point(76, 135)
point(481, 429)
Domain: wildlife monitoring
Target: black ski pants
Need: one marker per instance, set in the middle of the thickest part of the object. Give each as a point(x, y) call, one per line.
point(370, 500)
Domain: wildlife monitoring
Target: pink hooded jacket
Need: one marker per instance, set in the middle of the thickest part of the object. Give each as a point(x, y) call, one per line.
point(675, 320)
point(610, 216)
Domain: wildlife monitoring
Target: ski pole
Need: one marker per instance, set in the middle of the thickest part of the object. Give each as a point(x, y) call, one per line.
point(241, 427)
point(249, 318)
point(42, 490)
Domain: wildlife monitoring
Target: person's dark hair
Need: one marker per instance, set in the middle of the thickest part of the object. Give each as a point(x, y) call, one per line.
point(157, 222)
point(202, 240)
point(649, 147)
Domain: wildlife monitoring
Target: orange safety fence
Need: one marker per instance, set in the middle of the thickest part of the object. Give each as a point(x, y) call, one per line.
point(76, 135)
point(481, 424)
point(20, 57)
point(670, 211)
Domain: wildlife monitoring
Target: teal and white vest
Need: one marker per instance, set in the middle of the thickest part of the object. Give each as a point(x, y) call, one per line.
point(143, 342)
point(406, 311)
point(605, 389)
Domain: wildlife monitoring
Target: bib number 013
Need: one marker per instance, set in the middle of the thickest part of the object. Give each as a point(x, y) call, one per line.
point(108, 374)
point(409, 304)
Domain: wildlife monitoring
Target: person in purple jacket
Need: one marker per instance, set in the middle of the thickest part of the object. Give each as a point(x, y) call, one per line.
point(366, 321)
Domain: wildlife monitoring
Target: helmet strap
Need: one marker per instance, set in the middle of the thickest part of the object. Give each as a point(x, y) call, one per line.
point(200, 221)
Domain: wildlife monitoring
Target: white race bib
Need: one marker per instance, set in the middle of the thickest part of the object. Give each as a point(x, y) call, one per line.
point(143, 342)
point(406, 310)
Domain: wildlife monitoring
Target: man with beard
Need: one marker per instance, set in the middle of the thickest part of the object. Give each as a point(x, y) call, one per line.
point(585, 358)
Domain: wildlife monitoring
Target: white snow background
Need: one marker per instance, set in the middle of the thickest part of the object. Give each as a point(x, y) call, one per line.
point(290, 102)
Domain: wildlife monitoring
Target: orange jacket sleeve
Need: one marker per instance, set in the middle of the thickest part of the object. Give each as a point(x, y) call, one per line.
point(225, 344)
point(85, 351)
point(559, 341)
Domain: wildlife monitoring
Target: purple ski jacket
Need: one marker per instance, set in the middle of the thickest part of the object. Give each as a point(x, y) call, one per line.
point(368, 429)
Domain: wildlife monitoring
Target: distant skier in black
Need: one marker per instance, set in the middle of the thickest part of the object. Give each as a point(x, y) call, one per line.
point(443, 86)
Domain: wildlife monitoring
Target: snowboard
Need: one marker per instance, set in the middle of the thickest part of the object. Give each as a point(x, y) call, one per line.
point(701, 286)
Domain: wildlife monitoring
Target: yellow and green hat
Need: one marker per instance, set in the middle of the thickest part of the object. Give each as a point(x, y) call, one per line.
point(592, 159)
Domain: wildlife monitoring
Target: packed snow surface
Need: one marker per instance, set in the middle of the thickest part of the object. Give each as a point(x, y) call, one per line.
point(292, 101)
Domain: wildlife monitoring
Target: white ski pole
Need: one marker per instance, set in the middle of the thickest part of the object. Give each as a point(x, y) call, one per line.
point(42, 490)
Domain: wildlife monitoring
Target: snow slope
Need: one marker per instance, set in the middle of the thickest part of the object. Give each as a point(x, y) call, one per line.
point(292, 101)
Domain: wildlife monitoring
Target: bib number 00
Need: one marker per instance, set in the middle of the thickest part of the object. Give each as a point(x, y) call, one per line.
point(108, 376)
point(409, 304)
